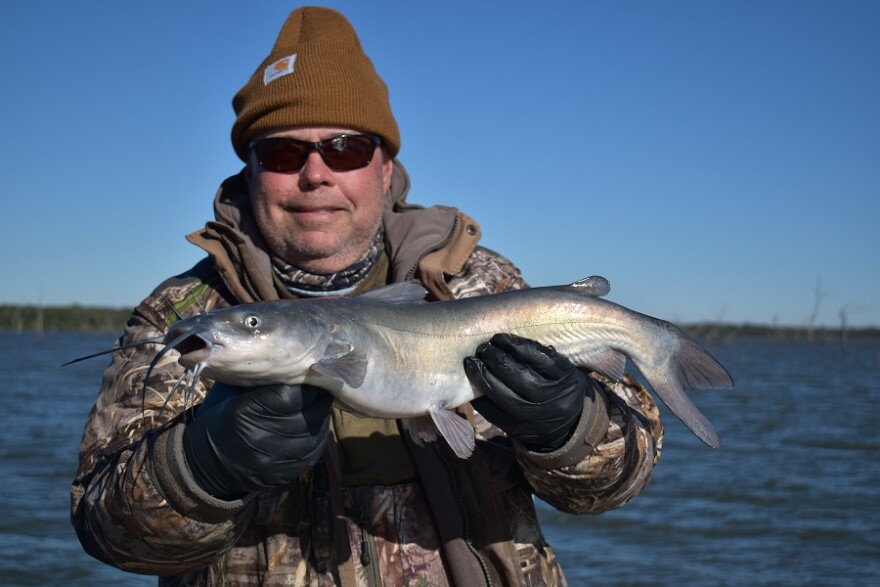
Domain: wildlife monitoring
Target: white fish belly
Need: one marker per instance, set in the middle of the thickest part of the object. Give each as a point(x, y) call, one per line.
point(407, 375)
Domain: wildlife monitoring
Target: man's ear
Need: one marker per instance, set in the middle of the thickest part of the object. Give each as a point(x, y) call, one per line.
point(387, 171)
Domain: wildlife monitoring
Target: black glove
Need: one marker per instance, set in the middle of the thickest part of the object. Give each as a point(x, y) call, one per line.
point(247, 439)
point(531, 392)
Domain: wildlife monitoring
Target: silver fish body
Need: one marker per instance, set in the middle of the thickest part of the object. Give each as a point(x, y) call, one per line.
point(385, 354)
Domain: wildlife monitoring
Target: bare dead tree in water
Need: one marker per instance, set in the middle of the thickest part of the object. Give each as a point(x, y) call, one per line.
point(844, 321)
point(819, 293)
point(715, 331)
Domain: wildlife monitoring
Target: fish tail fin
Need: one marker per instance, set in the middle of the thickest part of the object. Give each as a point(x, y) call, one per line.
point(700, 370)
point(695, 369)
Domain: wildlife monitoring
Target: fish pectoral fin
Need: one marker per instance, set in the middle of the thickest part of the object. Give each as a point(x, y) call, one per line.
point(608, 362)
point(457, 431)
point(349, 367)
point(405, 292)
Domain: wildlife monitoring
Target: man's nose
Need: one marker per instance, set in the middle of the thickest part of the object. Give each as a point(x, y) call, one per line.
point(315, 171)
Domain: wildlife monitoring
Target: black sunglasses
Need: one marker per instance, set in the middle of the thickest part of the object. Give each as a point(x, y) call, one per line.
point(340, 153)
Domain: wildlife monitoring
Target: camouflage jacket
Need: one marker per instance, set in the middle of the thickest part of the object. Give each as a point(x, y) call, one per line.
point(426, 518)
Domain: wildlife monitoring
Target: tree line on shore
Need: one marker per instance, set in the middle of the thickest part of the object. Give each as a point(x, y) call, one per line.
point(22, 318)
point(62, 318)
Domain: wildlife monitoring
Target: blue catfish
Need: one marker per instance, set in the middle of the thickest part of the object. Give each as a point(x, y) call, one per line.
point(386, 354)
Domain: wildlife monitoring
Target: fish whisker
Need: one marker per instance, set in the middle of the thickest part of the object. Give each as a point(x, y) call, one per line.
point(190, 392)
point(170, 394)
point(114, 349)
point(168, 347)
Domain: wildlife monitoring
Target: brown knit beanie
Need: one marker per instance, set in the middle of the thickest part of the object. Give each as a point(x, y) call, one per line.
point(316, 75)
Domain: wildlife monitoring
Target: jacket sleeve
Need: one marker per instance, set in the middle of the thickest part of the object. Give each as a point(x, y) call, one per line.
point(126, 500)
point(610, 457)
point(614, 471)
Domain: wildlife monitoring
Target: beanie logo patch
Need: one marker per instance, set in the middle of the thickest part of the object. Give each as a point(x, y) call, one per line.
point(280, 68)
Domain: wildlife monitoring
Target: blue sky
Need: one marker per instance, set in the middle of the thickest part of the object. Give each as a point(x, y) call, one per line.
point(713, 160)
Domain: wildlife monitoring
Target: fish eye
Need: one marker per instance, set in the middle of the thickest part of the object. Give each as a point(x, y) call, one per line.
point(251, 321)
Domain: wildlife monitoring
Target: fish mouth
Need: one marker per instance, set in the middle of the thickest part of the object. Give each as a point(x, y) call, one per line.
point(193, 347)
point(194, 350)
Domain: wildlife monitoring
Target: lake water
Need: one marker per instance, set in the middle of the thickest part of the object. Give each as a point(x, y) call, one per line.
point(792, 497)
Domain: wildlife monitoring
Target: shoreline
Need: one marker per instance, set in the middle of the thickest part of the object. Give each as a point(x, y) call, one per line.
point(31, 318)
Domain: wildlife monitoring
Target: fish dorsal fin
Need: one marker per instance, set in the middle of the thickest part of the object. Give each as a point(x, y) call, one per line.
point(343, 362)
point(406, 292)
point(594, 285)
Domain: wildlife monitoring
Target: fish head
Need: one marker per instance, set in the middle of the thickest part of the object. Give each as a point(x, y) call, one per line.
point(251, 344)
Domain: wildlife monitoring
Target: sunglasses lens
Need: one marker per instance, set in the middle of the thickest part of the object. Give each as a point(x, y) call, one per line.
point(281, 155)
point(342, 153)
point(347, 152)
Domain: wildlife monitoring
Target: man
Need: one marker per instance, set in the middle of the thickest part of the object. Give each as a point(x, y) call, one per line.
point(274, 486)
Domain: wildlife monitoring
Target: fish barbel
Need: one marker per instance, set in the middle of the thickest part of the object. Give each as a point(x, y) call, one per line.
point(385, 354)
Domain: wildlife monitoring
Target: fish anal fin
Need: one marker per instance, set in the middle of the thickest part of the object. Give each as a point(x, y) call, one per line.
point(457, 431)
point(608, 362)
point(406, 292)
point(349, 367)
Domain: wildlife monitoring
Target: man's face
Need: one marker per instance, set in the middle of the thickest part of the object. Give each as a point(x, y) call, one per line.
point(316, 218)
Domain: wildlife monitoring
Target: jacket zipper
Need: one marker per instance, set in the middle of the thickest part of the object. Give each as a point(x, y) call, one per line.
point(466, 523)
point(412, 272)
point(369, 553)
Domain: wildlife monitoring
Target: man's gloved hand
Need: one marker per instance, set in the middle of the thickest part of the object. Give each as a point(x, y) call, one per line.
point(531, 392)
point(248, 439)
